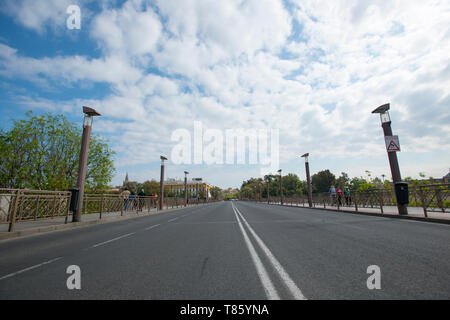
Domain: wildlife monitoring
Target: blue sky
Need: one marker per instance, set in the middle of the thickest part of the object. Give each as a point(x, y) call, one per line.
point(314, 70)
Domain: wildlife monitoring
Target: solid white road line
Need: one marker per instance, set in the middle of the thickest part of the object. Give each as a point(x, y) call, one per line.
point(151, 227)
point(29, 268)
point(287, 280)
point(102, 243)
point(268, 286)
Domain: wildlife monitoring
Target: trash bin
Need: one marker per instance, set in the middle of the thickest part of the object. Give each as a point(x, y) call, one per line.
point(74, 193)
point(401, 192)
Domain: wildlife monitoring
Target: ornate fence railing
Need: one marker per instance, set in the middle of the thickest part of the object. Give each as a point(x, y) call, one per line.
point(25, 205)
point(431, 198)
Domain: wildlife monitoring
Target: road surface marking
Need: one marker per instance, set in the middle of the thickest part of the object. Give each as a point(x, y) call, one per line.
point(151, 227)
point(30, 268)
point(290, 284)
point(102, 243)
point(172, 219)
point(268, 286)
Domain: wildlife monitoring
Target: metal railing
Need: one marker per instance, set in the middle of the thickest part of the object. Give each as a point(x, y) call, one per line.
point(27, 205)
point(431, 198)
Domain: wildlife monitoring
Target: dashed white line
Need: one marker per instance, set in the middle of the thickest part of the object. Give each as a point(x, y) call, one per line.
point(29, 268)
point(172, 219)
point(102, 243)
point(151, 227)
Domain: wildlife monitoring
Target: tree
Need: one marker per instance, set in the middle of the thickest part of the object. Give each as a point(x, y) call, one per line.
point(216, 193)
point(342, 181)
point(42, 152)
point(322, 181)
point(151, 187)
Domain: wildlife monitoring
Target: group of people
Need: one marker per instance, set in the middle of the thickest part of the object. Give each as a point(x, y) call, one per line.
point(338, 196)
point(130, 199)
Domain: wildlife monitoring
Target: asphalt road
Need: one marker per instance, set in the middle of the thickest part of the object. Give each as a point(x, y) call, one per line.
point(233, 250)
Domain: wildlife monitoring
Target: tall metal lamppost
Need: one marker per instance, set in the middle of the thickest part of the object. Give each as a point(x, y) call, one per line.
point(161, 184)
point(308, 179)
point(268, 190)
point(89, 115)
point(185, 188)
point(392, 155)
point(281, 188)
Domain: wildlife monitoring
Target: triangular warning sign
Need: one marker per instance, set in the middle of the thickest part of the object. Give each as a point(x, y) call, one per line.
point(393, 147)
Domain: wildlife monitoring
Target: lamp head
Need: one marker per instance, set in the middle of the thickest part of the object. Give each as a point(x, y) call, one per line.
point(90, 112)
point(384, 113)
point(382, 109)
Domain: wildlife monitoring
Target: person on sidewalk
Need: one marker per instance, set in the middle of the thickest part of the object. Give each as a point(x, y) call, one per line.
point(132, 200)
point(340, 195)
point(347, 196)
point(125, 195)
point(332, 192)
point(141, 199)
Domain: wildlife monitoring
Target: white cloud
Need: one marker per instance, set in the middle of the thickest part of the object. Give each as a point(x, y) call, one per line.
point(36, 15)
point(237, 64)
point(132, 29)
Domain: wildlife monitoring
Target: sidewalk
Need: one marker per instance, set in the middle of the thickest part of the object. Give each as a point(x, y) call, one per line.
point(415, 213)
point(28, 227)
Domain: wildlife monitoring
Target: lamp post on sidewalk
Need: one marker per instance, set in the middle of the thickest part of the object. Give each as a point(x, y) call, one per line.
point(89, 115)
point(308, 179)
point(281, 188)
point(161, 184)
point(393, 161)
point(185, 188)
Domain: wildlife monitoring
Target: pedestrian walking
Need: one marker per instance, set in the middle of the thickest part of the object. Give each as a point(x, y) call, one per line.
point(332, 192)
point(347, 196)
point(125, 195)
point(340, 195)
point(141, 199)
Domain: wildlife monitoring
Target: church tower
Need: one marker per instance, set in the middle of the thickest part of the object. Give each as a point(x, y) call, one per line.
point(126, 179)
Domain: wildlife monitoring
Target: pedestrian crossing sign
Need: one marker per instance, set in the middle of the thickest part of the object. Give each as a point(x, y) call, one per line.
point(392, 143)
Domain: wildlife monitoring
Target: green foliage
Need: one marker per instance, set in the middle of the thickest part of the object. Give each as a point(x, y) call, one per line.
point(42, 152)
point(322, 181)
point(216, 193)
point(342, 181)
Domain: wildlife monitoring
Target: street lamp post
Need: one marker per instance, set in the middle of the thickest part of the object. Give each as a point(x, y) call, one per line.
point(281, 188)
point(161, 184)
point(89, 115)
point(268, 191)
point(308, 179)
point(185, 188)
point(393, 161)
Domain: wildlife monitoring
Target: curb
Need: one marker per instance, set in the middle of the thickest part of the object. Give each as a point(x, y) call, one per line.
point(383, 215)
point(73, 225)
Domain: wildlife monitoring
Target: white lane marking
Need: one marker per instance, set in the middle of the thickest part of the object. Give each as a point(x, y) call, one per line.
point(290, 284)
point(268, 286)
point(151, 227)
point(29, 268)
point(172, 219)
point(102, 243)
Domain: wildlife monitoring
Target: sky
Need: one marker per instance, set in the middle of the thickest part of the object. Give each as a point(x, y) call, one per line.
point(313, 70)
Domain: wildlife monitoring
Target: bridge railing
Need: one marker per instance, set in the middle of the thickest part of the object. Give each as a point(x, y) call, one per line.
point(32, 204)
point(431, 198)
point(26, 205)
